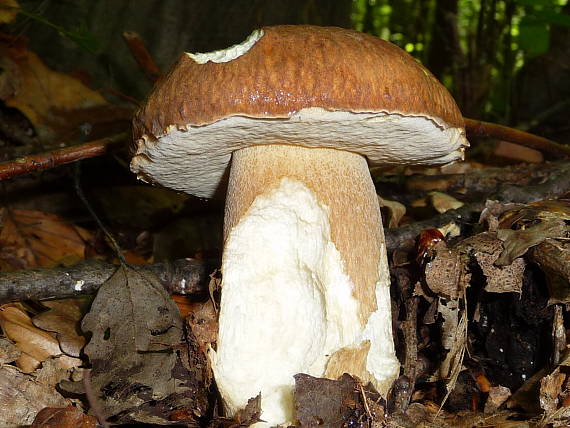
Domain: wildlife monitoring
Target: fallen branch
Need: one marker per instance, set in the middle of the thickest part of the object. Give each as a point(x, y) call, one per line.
point(59, 157)
point(477, 128)
point(477, 182)
point(179, 277)
point(555, 186)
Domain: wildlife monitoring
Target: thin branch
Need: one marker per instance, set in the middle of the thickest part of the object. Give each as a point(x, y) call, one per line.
point(92, 399)
point(182, 276)
point(478, 128)
point(59, 157)
point(142, 55)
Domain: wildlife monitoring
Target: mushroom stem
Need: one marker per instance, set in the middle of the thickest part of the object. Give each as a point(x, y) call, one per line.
point(305, 277)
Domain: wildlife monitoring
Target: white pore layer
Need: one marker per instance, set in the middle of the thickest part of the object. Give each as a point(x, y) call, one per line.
point(382, 138)
point(228, 54)
point(287, 304)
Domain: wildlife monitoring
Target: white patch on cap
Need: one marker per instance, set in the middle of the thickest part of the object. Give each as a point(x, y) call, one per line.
point(228, 54)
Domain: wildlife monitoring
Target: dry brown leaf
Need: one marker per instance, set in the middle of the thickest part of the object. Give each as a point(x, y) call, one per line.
point(443, 274)
point(36, 345)
point(36, 239)
point(486, 248)
point(443, 202)
point(326, 402)
point(8, 351)
point(396, 211)
point(68, 417)
point(553, 257)
point(550, 389)
point(523, 215)
point(44, 96)
point(22, 397)
point(517, 242)
point(203, 323)
point(498, 395)
point(8, 11)
point(63, 318)
point(57, 369)
point(135, 325)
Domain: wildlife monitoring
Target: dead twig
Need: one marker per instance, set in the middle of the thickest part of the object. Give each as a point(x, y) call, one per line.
point(184, 276)
point(477, 128)
point(59, 157)
point(92, 399)
point(142, 55)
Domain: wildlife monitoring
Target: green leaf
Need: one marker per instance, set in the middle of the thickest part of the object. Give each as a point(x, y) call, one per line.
point(534, 37)
point(79, 35)
point(533, 3)
point(552, 17)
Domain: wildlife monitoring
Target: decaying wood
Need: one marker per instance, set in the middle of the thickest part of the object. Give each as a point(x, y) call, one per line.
point(182, 276)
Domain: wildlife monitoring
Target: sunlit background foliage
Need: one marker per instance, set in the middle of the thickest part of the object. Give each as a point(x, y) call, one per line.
point(476, 47)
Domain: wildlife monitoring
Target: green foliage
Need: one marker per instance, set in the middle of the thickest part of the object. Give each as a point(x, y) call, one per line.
point(79, 35)
point(475, 47)
point(534, 36)
point(534, 27)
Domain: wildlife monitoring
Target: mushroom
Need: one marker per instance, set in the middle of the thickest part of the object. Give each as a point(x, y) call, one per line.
point(289, 121)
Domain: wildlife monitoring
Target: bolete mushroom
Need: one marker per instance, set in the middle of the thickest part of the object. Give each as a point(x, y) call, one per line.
point(292, 117)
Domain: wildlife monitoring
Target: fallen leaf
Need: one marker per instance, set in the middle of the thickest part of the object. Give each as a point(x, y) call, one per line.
point(396, 211)
point(63, 318)
point(498, 395)
point(486, 248)
point(136, 372)
point(67, 417)
point(553, 257)
point(444, 273)
point(517, 242)
point(453, 339)
point(443, 202)
point(22, 397)
point(9, 352)
point(41, 94)
point(8, 11)
point(325, 402)
point(57, 369)
point(36, 239)
point(550, 389)
point(519, 216)
point(203, 323)
point(36, 345)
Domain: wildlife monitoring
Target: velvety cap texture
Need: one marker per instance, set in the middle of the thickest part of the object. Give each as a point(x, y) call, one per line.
point(306, 85)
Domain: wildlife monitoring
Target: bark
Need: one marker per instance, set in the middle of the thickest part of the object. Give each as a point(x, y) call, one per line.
point(188, 277)
point(444, 48)
point(59, 157)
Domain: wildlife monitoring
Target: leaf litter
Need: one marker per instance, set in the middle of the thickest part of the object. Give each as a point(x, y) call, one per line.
point(137, 372)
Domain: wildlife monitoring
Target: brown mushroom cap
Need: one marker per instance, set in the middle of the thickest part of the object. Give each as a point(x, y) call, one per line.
point(312, 86)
